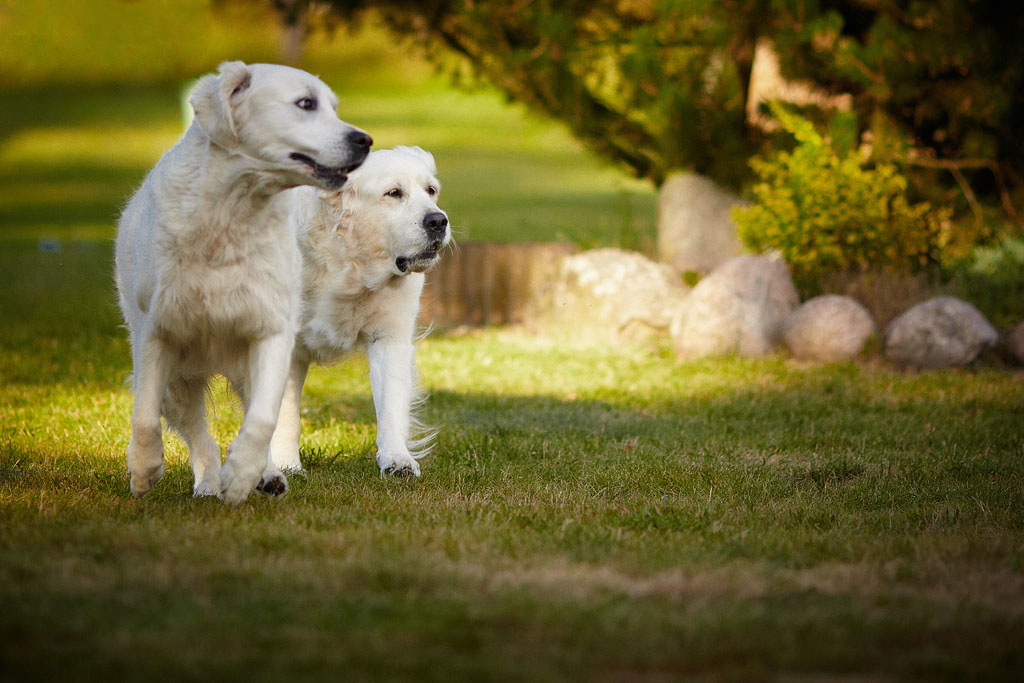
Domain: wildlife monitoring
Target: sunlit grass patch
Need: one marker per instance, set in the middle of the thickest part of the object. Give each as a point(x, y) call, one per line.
point(111, 146)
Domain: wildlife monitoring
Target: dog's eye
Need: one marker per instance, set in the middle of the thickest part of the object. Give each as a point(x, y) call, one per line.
point(432, 191)
point(395, 193)
point(306, 103)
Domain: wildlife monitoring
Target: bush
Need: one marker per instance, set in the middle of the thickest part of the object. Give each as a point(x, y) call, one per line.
point(993, 280)
point(831, 212)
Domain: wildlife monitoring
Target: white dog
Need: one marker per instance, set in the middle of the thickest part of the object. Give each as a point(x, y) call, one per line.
point(208, 267)
point(364, 252)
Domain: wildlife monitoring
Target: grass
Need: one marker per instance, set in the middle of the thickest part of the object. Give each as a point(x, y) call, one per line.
point(588, 514)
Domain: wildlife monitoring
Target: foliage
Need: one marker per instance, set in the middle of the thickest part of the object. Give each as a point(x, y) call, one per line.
point(945, 76)
point(993, 279)
point(828, 211)
point(663, 84)
point(653, 85)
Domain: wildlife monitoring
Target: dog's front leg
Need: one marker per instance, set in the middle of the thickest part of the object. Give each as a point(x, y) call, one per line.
point(153, 362)
point(249, 454)
point(391, 365)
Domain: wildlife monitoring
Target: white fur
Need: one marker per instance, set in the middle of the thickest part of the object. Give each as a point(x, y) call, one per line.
point(208, 267)
point(357, 293)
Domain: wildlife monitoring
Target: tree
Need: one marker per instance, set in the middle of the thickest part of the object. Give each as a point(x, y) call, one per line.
point(660, 85)
point(939, 83)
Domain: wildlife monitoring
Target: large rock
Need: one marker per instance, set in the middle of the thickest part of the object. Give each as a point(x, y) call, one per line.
point(828, 328)
point(609, 296)
point(737, 309)
point(939, 333)
point(695, 227)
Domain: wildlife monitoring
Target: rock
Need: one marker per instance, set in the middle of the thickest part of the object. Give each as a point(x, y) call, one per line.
point(739, 308)
point(695, 227)
point(828, 328)
point(939, 333)
point(609, 296)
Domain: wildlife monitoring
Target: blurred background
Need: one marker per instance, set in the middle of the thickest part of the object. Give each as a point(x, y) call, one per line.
point(877, 146)
point(91, 93)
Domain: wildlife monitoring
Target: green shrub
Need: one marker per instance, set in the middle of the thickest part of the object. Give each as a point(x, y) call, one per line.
point(993, 280)
point(829, 212)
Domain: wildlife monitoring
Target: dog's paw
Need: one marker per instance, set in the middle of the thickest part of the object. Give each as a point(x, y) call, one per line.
point(272, 483)
point(145, 458)
point(237, 483)
point(206, 488)
point(286, 460)
point(398, 464)
point(144, 479)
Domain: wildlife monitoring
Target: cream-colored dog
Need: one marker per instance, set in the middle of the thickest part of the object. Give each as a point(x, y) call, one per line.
point(208, 267)
point(364, 253)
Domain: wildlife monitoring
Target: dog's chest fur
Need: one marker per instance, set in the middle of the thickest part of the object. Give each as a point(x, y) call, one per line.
point(228, 278)
point(350, 296)
point(224, 262)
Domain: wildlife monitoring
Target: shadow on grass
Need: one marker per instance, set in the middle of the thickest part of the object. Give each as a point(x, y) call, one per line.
point(74, 195)
point(66, 106)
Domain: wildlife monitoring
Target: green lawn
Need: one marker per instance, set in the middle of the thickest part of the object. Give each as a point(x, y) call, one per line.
point(588, 513)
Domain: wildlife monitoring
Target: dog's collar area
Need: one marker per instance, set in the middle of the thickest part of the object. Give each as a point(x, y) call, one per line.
point(333, 176)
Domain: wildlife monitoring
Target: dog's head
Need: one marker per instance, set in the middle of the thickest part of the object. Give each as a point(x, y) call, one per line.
point(283, 117)
point(395, 193)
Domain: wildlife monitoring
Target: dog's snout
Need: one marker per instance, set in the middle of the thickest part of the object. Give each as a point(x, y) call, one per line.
point(435, 224)
point(358, 138)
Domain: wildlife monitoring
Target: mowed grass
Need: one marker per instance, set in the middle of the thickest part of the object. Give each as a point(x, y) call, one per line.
point(588, 513)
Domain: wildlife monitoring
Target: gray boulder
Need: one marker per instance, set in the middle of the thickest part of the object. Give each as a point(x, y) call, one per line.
point(609, 296)
point(828, 328)
point(695, 227)
point(939, 333)
point(739, 308)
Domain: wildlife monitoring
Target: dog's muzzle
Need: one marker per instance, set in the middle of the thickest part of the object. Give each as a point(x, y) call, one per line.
point(421, 262)
point(435, 225)
point(334, 177)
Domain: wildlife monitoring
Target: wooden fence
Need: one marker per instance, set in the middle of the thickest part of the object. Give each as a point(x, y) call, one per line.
point(487, 283)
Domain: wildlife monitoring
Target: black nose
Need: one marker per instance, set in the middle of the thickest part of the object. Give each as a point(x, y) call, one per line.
point(435, 223)
point(358, 138)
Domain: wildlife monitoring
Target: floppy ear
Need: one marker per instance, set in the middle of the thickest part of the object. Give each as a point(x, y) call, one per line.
point(214, 99)
point(423, 155)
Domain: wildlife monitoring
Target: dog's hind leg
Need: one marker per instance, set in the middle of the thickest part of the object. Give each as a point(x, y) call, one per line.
point(284, 446)
point(184, 408)
point(153, 362)
point(249, 454)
